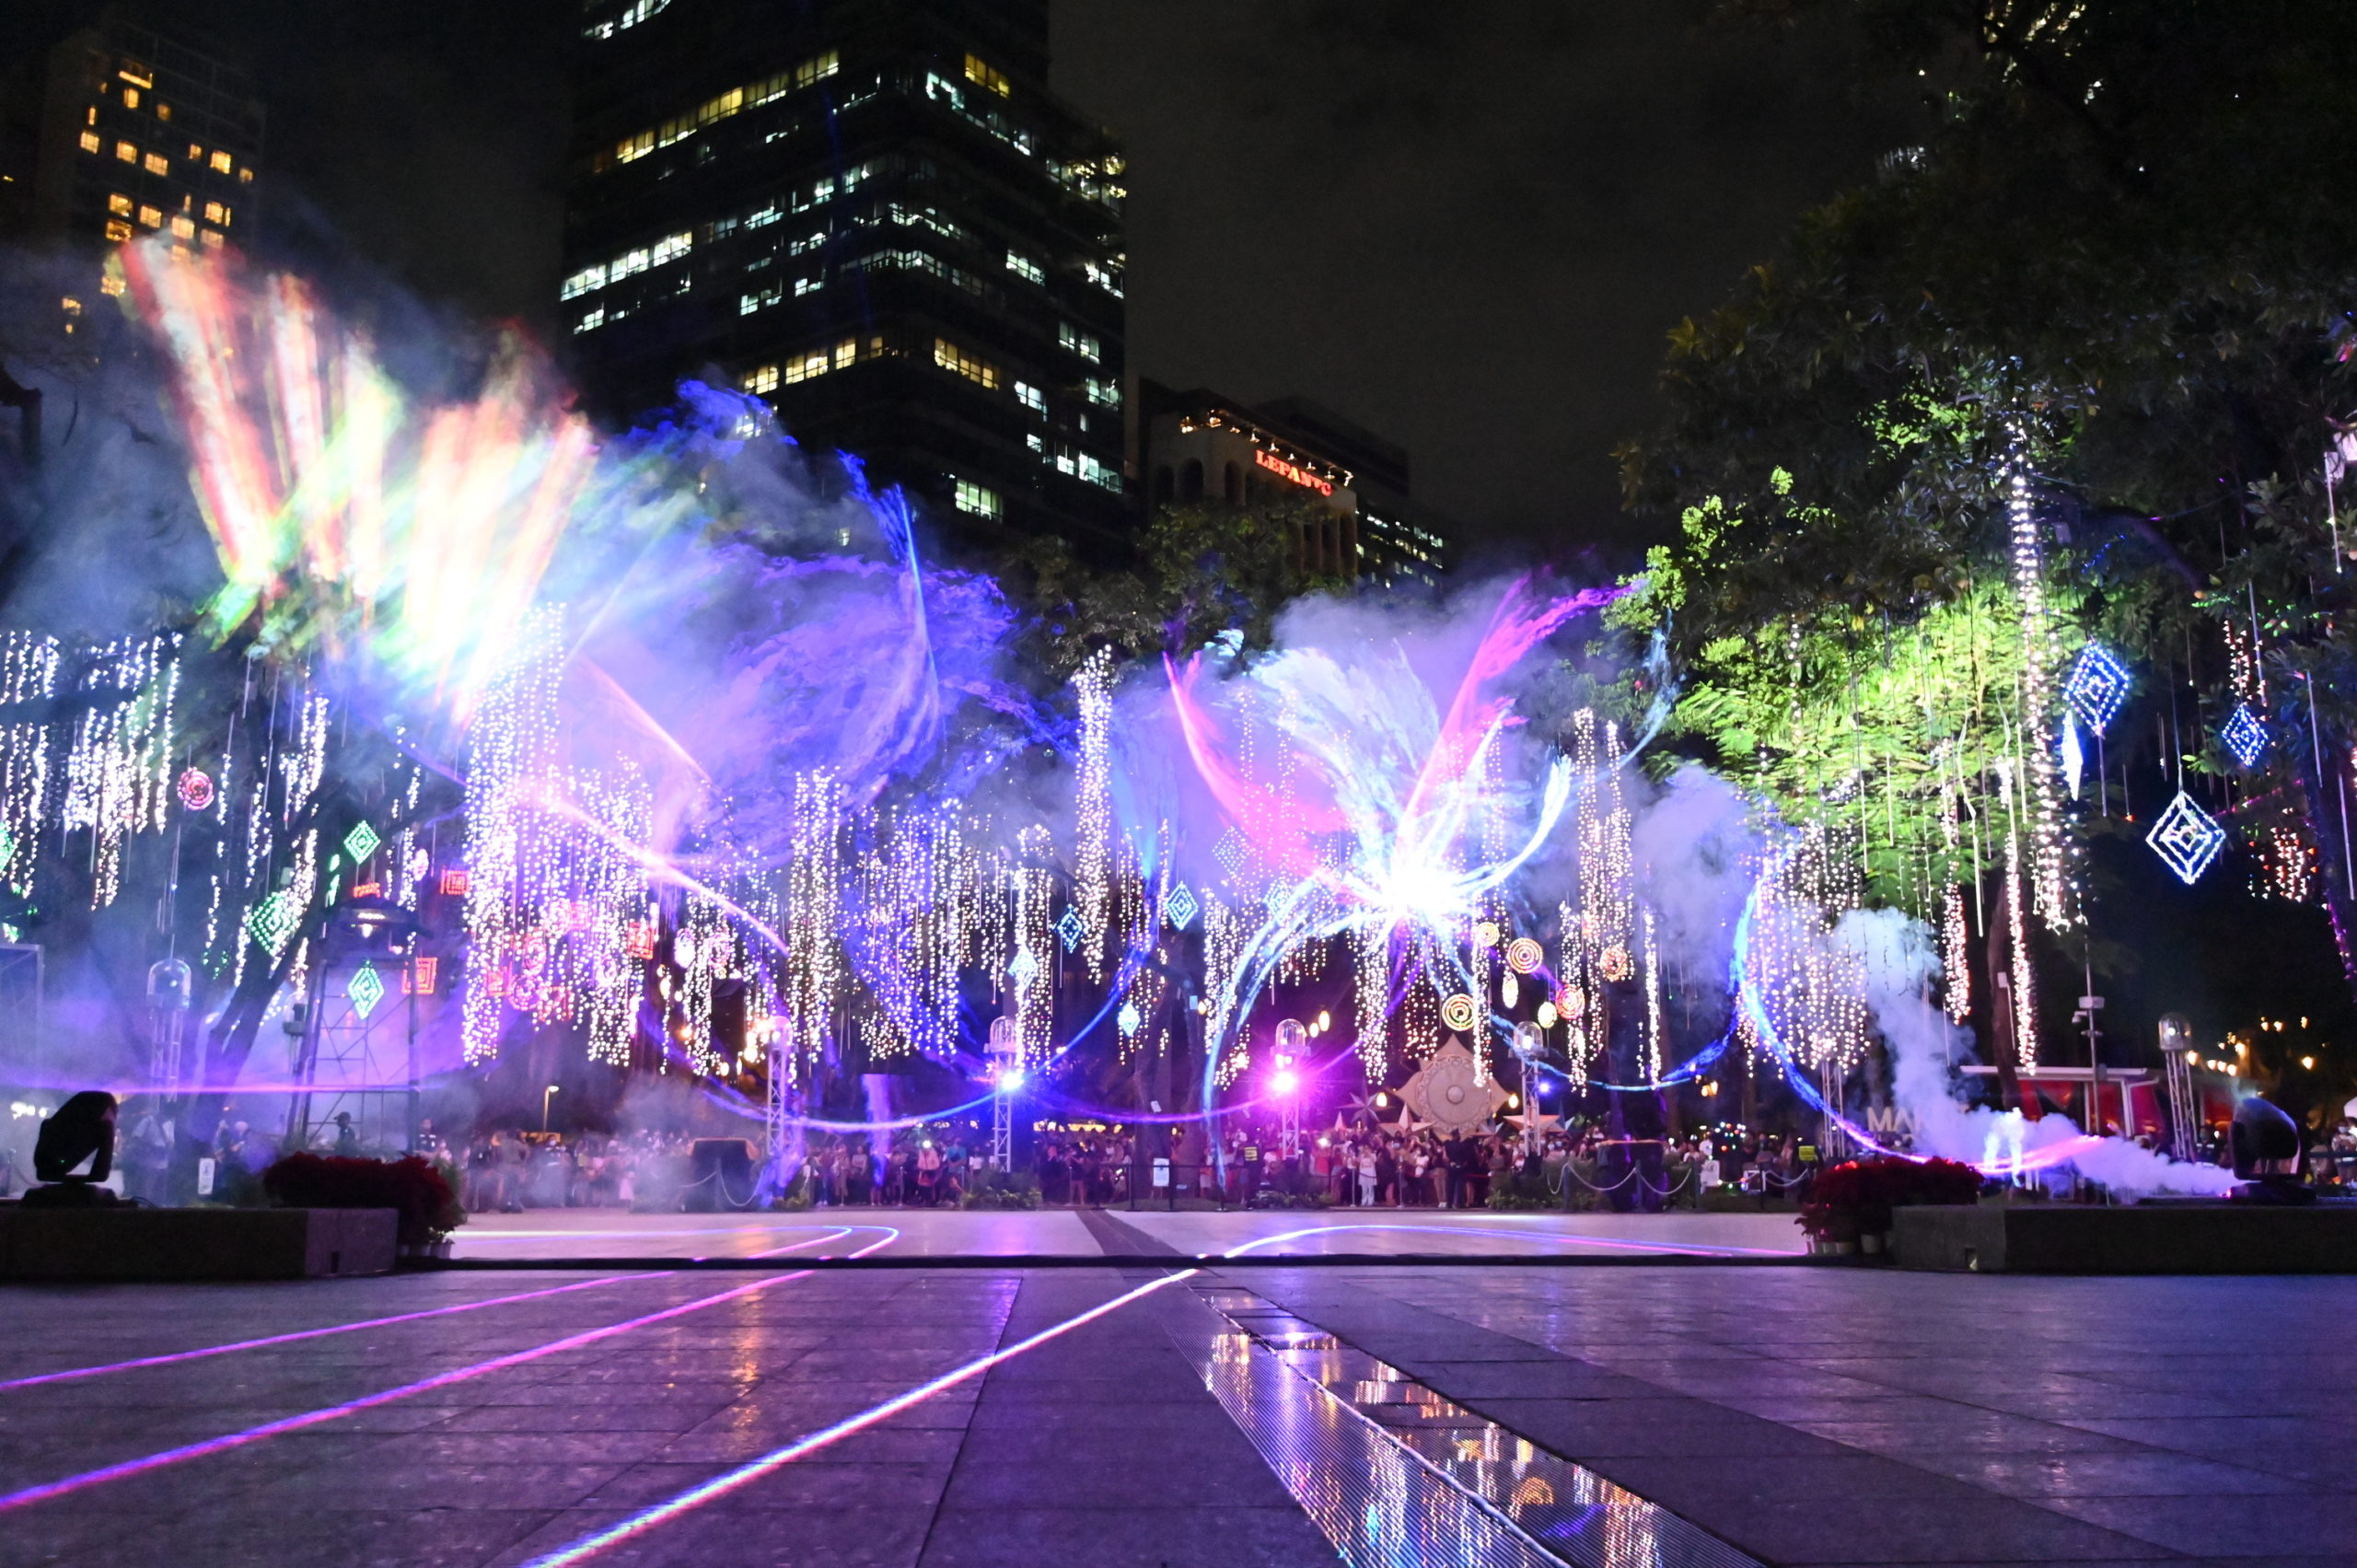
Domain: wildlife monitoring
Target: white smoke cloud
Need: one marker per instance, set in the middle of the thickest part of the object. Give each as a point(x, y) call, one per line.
point(1900, 960)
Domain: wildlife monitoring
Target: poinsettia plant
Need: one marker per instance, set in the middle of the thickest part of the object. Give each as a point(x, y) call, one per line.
point(429, 1210)
point(1856, 1198)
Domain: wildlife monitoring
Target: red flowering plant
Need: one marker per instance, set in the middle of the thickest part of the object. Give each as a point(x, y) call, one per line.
point(429, 1210)
point(1855, 1198)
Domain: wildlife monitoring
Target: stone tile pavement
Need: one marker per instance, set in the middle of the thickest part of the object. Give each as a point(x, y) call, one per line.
point(1808, 1415)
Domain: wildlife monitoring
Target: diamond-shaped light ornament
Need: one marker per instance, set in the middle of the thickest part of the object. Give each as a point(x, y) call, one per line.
point(2244, 735)
point(2098, 684)
point(1070, 930)
point(366, 988)
point(360, 843)
point(1232, 851)
point(273, 921)
point(2186, 838)
point(1181, 907)
point(1129, 1017)
point(1024, 968)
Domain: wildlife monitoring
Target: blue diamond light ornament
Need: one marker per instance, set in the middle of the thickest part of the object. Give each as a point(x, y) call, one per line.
point(2097, 686)
point(360, 843)
point(2186, 838)
point(1024, 968)
point(2243, 736)
point(1069, 929)
point(366, 988)
point(1129, 1017)
point(1182, 907)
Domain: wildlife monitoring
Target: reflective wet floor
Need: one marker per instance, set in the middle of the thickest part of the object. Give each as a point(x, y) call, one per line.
point(1233, 1414)
point(544, 1233)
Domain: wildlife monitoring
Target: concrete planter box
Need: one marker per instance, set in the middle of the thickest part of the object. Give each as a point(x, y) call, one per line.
point(2148, 1238)
point(194, 1244)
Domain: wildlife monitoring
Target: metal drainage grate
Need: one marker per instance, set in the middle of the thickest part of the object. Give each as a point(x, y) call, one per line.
point(1397, 1476)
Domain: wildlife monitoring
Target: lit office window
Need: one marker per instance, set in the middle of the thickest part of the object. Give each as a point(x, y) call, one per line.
point(119, 203)
point(245, 176)
point(220, 161)
point(1023, 267)
point(118, 230)
point(1031, 397)
point(211, 238)
point(979, 500)
point(183, 228)
point(196, 153)
point(949, 356)
point(982, 73)
point(1103, 392)
point(157, 163)
point(153, 217)
point(125, 153)
point(90, 143)
point(1079, 342)
point(761, 379)
point(214, 212)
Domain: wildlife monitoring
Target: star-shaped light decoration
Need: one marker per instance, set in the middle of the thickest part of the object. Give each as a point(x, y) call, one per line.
point(1449, 1092)
point(2186, 838)
point(2243, 736)
point(1531, 1123)
point(2097, 686)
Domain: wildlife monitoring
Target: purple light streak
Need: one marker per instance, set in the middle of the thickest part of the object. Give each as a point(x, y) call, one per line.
point(695, 1497)
point(1692, 1249)
point(26, 1497)
point(175, 1357)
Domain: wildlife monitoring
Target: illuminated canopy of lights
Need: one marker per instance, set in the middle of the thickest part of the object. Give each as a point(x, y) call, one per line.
point(2186, 838)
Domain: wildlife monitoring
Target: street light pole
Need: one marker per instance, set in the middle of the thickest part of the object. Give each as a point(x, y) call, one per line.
point(546, 1095)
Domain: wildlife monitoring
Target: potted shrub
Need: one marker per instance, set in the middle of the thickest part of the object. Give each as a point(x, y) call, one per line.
point(409, 1186)
point(1849, 1206)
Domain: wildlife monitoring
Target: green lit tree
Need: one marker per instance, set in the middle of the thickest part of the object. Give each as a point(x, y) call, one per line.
point(2119, 266)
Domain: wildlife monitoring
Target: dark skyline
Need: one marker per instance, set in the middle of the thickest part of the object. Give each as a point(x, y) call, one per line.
point(1469, 230)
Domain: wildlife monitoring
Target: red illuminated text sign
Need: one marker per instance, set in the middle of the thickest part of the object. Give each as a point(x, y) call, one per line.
point(1284, 469)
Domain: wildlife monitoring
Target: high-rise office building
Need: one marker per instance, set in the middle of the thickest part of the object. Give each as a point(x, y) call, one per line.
point(874, 215)
point(1201, 446)
point(128, 131)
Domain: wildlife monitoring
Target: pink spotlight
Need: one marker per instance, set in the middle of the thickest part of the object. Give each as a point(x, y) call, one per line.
point(1284, 1081)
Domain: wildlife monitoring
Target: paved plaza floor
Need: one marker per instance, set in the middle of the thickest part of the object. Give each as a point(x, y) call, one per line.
point(543, 1234)
point(1693, 1409)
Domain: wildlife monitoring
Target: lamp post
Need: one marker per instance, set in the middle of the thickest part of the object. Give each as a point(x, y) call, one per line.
point(546, 1095)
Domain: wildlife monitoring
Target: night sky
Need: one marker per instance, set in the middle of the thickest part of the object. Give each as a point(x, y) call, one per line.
point(1467, 227)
